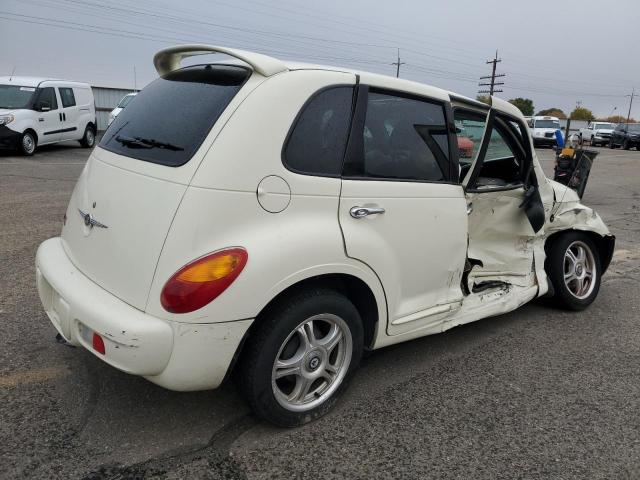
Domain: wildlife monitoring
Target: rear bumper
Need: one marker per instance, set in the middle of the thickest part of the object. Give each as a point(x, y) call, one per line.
point(177, 356)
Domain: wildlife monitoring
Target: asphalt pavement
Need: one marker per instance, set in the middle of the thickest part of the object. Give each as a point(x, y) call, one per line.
point(537, 393)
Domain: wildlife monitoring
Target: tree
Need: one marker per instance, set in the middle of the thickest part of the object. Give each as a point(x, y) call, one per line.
point(581, 113)
point(618, 119)
point(552, 112)
point(524, 104)
point(483, 98)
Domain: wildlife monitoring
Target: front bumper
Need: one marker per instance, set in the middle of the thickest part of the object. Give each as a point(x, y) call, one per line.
point(9, 139)
point(177, 356)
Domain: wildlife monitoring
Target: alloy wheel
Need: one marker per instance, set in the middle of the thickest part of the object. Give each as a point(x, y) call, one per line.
point(579, 270)
point(312, 362)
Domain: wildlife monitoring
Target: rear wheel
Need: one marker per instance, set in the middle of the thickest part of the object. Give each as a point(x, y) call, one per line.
point(89, 137)
point(28, 144)
point(573, 265)
point(301, 356)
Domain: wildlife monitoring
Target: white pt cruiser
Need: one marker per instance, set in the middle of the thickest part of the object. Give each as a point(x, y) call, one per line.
point(274, 220)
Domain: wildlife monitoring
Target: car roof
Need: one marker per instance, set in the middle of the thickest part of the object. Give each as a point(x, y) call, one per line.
point(36, 81)
point(170, 58)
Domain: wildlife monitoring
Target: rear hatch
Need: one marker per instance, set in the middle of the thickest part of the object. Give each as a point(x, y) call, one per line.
point(124, 202)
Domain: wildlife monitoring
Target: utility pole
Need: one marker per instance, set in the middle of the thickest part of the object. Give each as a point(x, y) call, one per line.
point(633, 94)
point(492, 84)
point(397, 64)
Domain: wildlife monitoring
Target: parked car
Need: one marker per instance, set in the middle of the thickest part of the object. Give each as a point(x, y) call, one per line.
point(292, 217)
point(626, 135)
point(543, 130)
point(597, 133)
point(123, 103)
point(40, 111)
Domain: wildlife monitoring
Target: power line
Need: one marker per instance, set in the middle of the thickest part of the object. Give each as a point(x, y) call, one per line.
point(492, 84)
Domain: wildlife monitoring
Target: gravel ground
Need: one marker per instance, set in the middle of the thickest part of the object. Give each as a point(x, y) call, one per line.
point(537, 393)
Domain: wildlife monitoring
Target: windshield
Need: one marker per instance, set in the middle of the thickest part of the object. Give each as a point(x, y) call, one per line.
point(125, 101)
point(604, 126)
point(172, 116)
point(15, 96)
point(547, 124)
point(633, 127)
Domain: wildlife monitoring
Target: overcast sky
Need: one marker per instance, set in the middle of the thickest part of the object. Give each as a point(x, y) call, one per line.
point(554, 52)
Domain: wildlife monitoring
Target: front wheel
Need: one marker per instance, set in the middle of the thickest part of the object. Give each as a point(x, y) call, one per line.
point(299, 359)
point(593, 142)
point(28, 144)
point(625, 145)
point(573, 266)
point(89, 138)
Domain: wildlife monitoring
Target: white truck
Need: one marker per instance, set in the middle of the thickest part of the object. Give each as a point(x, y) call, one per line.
point(596, 133)
point(543, 130)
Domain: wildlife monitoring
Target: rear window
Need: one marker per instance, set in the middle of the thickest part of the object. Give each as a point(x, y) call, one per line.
point(172, 116)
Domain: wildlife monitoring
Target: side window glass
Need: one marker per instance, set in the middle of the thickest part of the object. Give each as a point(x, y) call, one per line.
point(66, 97)
point(317, 142)
point(502, 165)
point(403, 139)
point(47, 99)
point(469, 131)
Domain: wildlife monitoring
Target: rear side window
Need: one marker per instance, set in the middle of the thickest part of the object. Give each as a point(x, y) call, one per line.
point(66, 97)
point(318, 138)
point(172, 116)
point(404, 139)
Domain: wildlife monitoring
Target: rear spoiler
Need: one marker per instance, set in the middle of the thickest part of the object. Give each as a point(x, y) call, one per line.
point(169, 59)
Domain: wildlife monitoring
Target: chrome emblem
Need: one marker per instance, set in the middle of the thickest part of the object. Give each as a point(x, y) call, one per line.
point(89, 221)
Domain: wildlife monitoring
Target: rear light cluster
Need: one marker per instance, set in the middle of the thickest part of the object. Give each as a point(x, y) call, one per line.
point(201, 281)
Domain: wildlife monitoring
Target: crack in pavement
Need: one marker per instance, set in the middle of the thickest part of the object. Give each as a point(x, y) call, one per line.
point(216, 453)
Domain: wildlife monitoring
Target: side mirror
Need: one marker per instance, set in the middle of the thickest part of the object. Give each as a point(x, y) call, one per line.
point(44, 109)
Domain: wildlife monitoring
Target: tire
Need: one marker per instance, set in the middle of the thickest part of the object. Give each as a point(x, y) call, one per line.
point(593, 142)
point(280, 337)
point(625, 144)
point(611, 145)
point(582, 270)
point(28, 144)
point(89, 138)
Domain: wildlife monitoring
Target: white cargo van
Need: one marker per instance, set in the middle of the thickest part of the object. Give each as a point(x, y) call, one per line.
point(40, 111)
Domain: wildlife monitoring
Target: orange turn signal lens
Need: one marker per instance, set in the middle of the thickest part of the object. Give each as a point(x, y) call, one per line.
point(201, 281)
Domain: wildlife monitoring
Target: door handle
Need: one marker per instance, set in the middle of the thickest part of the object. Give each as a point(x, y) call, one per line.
point(60, 116)
point(359, 212)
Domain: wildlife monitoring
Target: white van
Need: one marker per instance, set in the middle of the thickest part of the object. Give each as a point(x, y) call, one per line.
point(39, 111)
point(274, 220)
point(543, 130)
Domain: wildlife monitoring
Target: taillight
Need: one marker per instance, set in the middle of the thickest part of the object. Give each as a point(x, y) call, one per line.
point(199, 282)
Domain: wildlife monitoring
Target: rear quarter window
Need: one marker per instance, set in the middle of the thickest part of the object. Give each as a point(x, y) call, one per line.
point(318, 138)
point(172, 116)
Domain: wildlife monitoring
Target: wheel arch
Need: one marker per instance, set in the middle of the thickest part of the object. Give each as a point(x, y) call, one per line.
point(604, 243)
point(352, 287)
point(32, 130)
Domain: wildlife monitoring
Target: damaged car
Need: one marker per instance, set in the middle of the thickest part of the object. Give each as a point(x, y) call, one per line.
point(271, 221)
